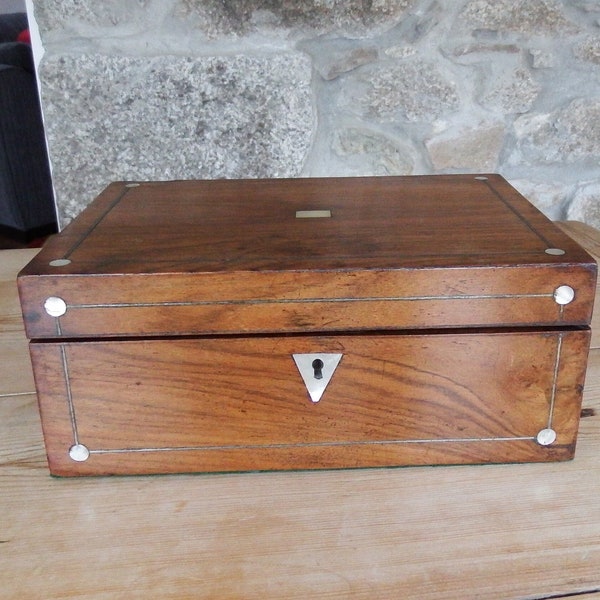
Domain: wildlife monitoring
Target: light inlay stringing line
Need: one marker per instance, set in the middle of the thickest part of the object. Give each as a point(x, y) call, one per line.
point(555, 380)
point(310, 300)
point(70, 403)
point(310, 444)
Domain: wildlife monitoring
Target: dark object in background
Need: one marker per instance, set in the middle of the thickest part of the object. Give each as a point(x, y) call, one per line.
point(27, 209)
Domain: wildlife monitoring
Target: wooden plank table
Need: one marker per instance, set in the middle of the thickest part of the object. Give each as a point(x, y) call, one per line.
point(498, 531)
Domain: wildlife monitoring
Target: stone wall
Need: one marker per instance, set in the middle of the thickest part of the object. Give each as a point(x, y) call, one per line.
point(168, 89)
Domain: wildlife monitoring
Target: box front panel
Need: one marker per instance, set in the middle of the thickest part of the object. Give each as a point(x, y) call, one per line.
point(249, 403)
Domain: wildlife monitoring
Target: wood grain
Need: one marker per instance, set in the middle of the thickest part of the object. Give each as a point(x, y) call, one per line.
point(496, 531)
point(223, 404)
point(17, 377)
point(11, 261)
point(242, 225)
point(16, 374)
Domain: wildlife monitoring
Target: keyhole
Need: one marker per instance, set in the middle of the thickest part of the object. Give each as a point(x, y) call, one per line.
point(317, 365)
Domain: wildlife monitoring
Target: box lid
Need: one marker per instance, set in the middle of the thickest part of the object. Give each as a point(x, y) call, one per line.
point(306, 255)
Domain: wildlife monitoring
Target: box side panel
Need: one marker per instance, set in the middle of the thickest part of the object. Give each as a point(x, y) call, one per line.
point(589, 238)
point(202, 405)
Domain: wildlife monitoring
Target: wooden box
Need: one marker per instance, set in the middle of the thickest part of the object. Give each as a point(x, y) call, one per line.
point(199, 326)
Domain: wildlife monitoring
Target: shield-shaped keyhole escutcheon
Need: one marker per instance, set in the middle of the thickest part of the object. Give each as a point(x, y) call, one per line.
point(316, 371)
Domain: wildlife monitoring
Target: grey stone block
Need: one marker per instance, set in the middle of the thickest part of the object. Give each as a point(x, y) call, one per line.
point(475, 149)
point(410, 90)
point(332, 58)
point(589, 50)
point(373, 153)
point(74, 14)
point(115, 117)
point(520, 16)
point(473, 50)
point(357, 18)
point(513, 91)
point(216, 18)
point(542, 59)
point(585, 206)
point(568, 135)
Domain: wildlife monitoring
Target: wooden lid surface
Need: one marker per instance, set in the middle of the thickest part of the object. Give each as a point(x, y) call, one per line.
point(239, 256)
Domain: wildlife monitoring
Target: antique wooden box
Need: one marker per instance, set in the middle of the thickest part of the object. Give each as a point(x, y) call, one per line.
point(198, 326)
